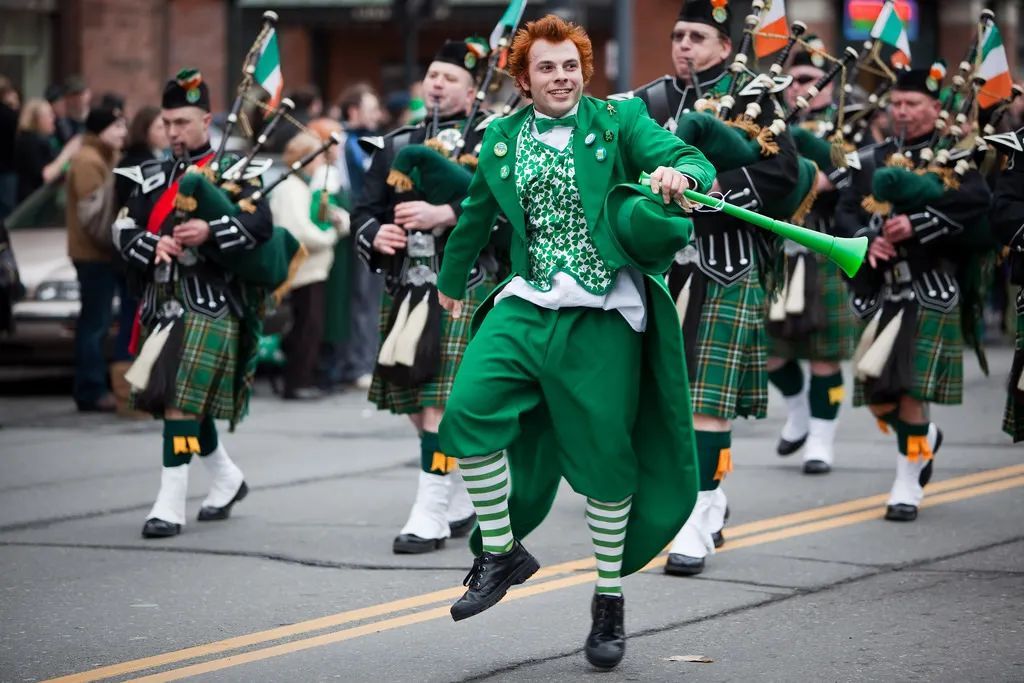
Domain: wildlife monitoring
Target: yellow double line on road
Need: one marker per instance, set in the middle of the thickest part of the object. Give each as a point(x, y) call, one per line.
point(740, 536)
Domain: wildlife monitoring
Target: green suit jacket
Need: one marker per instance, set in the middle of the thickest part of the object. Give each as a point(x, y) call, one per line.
point(632, 143)
point(663, 441)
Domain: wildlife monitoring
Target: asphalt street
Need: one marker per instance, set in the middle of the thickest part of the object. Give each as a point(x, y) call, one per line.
point(301, 585)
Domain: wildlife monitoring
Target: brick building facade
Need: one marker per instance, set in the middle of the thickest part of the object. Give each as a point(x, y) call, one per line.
point(131, 46)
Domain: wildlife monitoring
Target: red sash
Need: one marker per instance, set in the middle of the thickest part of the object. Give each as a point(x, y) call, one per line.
point(161, 210)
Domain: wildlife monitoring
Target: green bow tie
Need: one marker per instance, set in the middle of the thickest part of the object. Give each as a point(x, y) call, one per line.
point(544, 125)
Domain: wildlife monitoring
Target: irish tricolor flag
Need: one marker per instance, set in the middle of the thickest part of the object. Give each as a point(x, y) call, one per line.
point(994, 69)
point(268, 68)
point(772, 31)
point(890, 30)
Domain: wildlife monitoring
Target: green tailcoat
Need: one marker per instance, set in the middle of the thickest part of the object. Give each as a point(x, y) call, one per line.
point(613, 144)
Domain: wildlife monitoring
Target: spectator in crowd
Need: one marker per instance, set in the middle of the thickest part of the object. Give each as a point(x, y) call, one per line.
point(147, 140)
point(76, 102)
point(308, 106)
point(10, 103)
point(112, 100)
point(38, 158)
point(91, 209)
point(363, 116)
point(329, 185)
point(292, 207)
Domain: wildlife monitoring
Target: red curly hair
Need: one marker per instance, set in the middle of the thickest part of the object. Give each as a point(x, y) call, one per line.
point(553, 29)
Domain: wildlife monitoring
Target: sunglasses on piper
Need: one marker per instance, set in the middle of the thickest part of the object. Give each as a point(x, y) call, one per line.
point(696, 37)
point(804, 79)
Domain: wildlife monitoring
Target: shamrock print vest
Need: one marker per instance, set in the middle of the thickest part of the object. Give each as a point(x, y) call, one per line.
point(556, 227)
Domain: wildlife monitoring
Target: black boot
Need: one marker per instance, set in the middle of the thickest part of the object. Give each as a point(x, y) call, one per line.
point(901, 512)
point(461, 527)
point(683, 565)
point(159, 528)
point(491, 577)
point(411, 544)
point(208, 513)
point(787, 447)
point(606, 643)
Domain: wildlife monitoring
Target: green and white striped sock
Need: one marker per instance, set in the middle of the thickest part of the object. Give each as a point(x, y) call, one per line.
point(607, 522)
point(486, 480)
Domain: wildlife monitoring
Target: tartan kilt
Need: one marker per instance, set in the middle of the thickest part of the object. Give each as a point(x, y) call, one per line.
point(1013, 416)
point(730, 379)
point(454, 339)
point(206, 370)
point(837, 340)
point(937, 361)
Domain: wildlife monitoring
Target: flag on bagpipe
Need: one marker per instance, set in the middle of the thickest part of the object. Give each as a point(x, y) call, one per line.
point(504, 28)
point(889, 29)
point(772, 31)
point(994, 68)
point(268, 68)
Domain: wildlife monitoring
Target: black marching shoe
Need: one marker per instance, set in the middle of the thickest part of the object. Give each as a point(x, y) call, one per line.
point(158, 528)
point(718, 539)
point(817, 467)
point(411, 544)
point(683, 565)
point(461, 527)
point(901, 512)
point(208, 513)
point(786, 447)
point(606, 643)
point(491, 577)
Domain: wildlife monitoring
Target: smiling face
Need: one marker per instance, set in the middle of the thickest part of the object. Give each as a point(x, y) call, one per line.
point(698, 43)
point(554, 78)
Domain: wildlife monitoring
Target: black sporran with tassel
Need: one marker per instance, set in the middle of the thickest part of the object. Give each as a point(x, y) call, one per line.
point(897, 375)
point(154, 374)
point(410, 354)
point(800, 301)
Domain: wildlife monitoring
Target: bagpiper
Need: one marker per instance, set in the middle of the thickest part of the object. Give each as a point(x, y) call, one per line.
point(188, 295)
point(811, 319)
point(576, 366)
point(1007, 220)
point(718, 280)
point(910, 353)
point(401, 235)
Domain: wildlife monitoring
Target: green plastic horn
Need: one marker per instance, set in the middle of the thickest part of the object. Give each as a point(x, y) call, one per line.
point(846, 252)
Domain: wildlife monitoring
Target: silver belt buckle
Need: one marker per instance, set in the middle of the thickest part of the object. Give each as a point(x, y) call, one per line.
point(421, 245)
point(901, 271)
point(420, 275)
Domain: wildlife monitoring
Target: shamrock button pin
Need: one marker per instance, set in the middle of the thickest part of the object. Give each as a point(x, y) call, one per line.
point(589, 140)
point(609, 136)
point(504, 171)
point(500, 150)
point(601, 154)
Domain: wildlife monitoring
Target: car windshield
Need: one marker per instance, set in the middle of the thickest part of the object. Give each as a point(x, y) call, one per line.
point(44, 208)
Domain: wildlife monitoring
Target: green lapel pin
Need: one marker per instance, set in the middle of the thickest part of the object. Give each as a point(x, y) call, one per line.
point(500, 150)
point(601, 154)
point(504, 171)
point(609, 136)
point(589, 140)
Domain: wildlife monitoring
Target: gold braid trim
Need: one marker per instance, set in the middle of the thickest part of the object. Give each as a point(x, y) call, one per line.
point(808, 201)
point(232, 188)
point(436, 145)
point(837, 153)
point(293, 267)
point(872, 205)
point(946, 175)
point(185, 203)
point(746, 124)
point(399, 181)
point(766, 139)
point(469, 161)
point(899, 161)
point(247, 205)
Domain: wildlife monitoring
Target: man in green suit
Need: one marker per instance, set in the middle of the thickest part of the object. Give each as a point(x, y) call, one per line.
point(576, 367)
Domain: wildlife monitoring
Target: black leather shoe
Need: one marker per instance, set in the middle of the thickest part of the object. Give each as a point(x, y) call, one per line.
point(491, 577)
point(461, 527)
point(901, 512)
point(683, 565)
point(411, 544)
point(158, 528)
point(790, 447)
point(208, 513)
point(606, 643)
point(817, 467)
point(718, 539)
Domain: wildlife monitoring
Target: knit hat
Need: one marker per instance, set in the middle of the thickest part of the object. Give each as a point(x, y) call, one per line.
point(101, 118)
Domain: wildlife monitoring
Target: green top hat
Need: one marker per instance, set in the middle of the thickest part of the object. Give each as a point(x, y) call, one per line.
point(646, 231)
point(438, 178)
